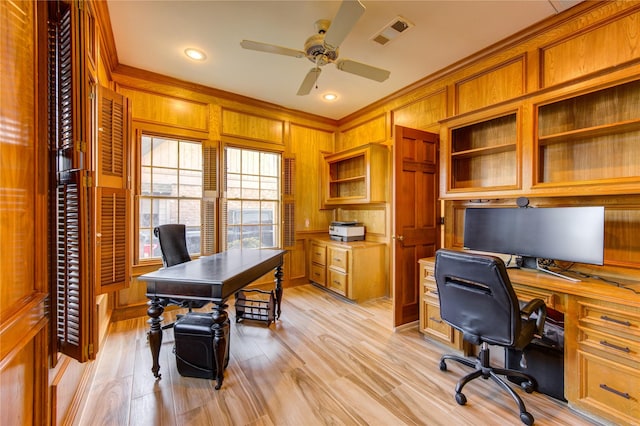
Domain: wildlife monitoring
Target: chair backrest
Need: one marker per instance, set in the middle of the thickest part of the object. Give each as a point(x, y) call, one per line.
point(476, 297)
point(173, 243)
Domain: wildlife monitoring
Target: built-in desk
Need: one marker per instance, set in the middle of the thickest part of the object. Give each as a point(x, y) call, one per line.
point(602, 337)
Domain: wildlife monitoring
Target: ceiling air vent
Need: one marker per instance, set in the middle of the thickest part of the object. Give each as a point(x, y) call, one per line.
point(392, 30)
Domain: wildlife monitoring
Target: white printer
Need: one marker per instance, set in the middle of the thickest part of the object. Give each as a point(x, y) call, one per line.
point(346, 231)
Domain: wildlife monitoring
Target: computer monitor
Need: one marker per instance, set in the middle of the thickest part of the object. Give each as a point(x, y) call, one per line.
point(573, 234)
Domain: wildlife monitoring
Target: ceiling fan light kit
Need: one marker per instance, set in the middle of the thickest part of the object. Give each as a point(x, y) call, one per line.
point(322, 48)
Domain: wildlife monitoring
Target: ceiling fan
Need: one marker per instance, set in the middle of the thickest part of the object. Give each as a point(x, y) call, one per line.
point(322, 48)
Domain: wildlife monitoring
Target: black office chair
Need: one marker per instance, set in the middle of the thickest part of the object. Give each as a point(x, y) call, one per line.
point(476, 297)
point(173, 245)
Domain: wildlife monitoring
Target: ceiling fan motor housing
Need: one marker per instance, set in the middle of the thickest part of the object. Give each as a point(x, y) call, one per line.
point(314, 46)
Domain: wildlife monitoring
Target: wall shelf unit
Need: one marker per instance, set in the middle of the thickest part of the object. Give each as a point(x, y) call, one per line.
point(356, 176)
point(590, 138)
point(483, 153)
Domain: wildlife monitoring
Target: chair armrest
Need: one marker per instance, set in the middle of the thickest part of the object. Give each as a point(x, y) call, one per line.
point(538, 307)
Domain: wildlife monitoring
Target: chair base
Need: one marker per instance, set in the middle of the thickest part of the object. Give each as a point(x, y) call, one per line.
point(484, 370)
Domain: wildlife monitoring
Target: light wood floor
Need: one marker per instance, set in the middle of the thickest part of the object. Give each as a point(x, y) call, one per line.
point(327, 361)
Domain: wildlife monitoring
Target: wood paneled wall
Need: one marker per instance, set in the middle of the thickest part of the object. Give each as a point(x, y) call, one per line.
point(592, 40)
point(24, 295)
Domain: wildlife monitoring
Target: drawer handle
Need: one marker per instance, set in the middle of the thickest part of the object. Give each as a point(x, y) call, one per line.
point(616, 347)
point(433, 292)
point(617, 392)
point(317, 274)
point(336, 282)
point(337, 259)
point(606, 318)
point(434, 319)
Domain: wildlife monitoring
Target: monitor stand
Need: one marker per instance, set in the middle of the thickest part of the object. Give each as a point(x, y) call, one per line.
point(534, 263)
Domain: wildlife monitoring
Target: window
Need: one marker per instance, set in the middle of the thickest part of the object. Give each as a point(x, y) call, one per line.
point(170, 191)
point(252, 203)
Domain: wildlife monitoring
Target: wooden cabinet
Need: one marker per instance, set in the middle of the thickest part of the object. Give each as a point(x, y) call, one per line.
point(356, 176)
point(482, 152)
point(591, 138)
point(430, 323)
point(572, 141)
point(601, 337)
point(603, 371)
point(355, 270)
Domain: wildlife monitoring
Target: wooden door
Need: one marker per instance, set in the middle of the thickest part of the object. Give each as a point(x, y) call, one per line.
point(416, 227)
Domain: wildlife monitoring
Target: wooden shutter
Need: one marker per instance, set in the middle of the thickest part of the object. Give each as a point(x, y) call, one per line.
point(289, 205)
point(112, 197)
point(70, 213)
point(111, 154)
point(209, 197)
point(112, 255)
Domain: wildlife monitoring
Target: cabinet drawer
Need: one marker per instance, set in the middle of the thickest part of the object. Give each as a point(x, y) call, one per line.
point(337, 282)
point(318, 254)
point(526, 294)
point(318, 274)
point(434, 326)
point(430, 291)
point(338, 258)
point(610, 388)
point(613, 320)
point(595, 341)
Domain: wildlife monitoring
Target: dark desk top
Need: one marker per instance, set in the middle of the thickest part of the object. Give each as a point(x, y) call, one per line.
point(214, 277)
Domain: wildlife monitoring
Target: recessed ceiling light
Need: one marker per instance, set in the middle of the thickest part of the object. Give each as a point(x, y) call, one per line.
point(195, 54)
point(329, 96)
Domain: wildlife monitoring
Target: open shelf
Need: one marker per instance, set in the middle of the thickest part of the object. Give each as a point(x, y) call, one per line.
point(591, 132)
point(497, 149)
point(355, 176)
point(590, 138)
point(484, 154)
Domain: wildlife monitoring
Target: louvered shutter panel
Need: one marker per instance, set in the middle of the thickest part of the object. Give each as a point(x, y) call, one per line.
point(112, 196)
point(112, 265)
point(69, 271)
point(209, 197)
point(112, 139)
point(70, 260)
point(289, 205)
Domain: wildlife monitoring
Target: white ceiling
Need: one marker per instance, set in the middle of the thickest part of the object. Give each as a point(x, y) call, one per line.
point(152, 35)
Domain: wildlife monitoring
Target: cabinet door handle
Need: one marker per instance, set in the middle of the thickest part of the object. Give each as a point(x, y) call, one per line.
point(606, 318)
point(625, 395)
point(434, 319)
point(616, 347)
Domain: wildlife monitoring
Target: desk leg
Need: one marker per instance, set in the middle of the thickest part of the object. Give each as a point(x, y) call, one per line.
point(220, 336)
point(154, 335)
point(279, 274)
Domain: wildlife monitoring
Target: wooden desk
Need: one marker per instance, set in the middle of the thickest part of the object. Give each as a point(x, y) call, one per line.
point(601, 339)
point(212, 278)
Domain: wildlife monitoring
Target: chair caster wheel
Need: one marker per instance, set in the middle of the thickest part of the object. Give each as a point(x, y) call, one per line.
point(526, 418)
point(443, 366)
point(527, 386)
point(461, 399)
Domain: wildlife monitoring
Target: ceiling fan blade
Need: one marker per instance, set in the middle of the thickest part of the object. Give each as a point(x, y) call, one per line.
point(363, 70)
point(271, 48)
point(309, 81)
point(348, 14)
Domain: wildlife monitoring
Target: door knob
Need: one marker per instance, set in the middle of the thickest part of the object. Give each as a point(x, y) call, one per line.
point(398, 237)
